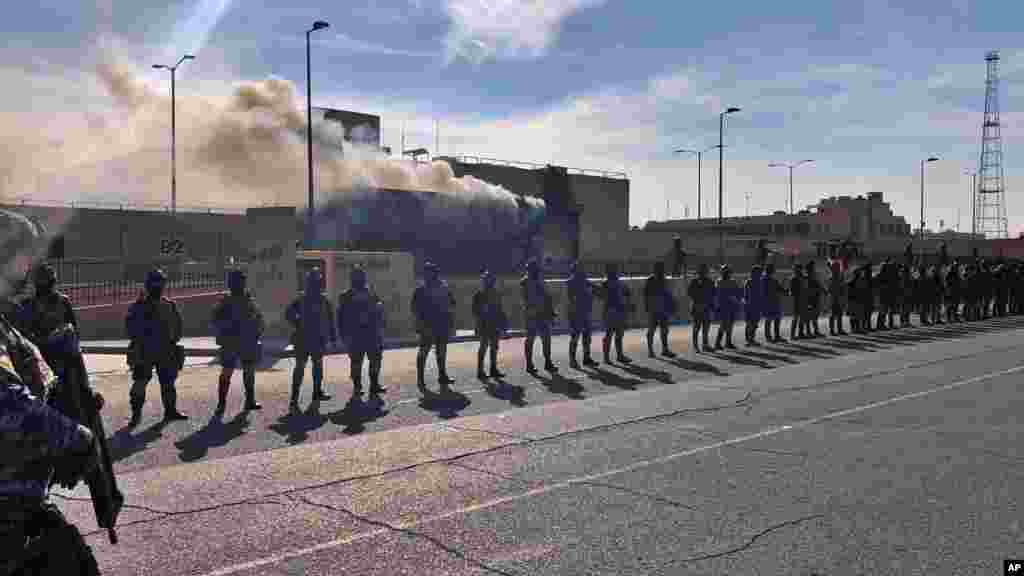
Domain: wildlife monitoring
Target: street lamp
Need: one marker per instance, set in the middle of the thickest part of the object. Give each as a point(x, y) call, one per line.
point(923, 162)
point(699, 153)
point(174, 168)
point(974, 183)
point(318, 25)
point(792, 206)
point(721, 160)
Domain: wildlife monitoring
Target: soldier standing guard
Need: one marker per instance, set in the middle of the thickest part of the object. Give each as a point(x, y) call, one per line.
point(617, 306)
point(753, 293)
point(491, 323)
point(773, 293)
point(47, 310)
point(836, 290)
point(433, 305)
point(661, 306)
point(813, 310)
point(799, 293)
point(313, 321)
point(361, 329)
point(730, 301)
point(701, 291)
point(239, 326)
point(539, 312)
point(154, 330)
point(581, 306)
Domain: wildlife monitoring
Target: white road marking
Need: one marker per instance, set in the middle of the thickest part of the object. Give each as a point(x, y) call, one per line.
point(284, 556)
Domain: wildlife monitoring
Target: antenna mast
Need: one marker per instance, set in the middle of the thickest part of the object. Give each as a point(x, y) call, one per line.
point(990, 219)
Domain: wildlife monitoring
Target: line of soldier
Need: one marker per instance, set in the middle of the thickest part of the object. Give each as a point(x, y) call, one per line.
point(873, 300)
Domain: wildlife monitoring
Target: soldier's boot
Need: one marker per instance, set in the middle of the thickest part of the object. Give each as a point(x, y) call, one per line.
point(170, 398)
point(375, 388)
point(222, 394)
point(421, 367)
point(357, 384)
point(620, 356)
point(572, 355)
point(606, 347)
point(293, 403)
point(136, 414)
point(250, 392)
point(650, 344)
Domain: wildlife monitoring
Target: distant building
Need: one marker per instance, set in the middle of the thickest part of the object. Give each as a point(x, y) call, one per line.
point(861, 219)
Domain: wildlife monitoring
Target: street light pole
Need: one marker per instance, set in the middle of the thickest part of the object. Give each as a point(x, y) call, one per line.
point(318, 25)
point(792, 203)
point(923, 162)
point(721, 172)
point(174, 158)
point(699, 154)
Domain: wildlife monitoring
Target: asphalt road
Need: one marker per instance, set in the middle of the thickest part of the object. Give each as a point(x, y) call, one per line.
point(893, 453)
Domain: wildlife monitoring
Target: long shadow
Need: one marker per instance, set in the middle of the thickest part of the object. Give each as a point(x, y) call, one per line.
point(736, 358)
point(124, 444)
point(773, 357)
point(502, 390)
point(647, 374)
point(612, 379)
point(695, 366)
point(296, 427)
point(558, 384)
point(802, 350)
point(215, 433)
point(447, 404)
point(849, 344)
point(357, 412)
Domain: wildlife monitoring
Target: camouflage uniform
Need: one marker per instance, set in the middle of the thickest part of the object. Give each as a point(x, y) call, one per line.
point(154, 327)
point(32, 436)
point(239, 326)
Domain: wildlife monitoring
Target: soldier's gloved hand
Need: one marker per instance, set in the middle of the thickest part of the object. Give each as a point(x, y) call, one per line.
point(81, 457)
point(100, 402)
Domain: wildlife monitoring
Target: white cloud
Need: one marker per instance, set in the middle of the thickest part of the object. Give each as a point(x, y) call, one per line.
point(486, 29)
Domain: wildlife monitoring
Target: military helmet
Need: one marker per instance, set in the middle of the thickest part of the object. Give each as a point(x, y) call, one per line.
point(236, 278)
point(45, 273)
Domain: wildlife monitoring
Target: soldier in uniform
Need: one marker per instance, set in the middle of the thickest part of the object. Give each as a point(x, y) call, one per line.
point(312, 320)
point(434, 308)
point(953, 293)
point(39, 445)
point(730, 302)
point(701, 291)
point(836, 289)
point(906, 294)
point(938, 294)
point(361, 329)
point(799, 294)
point(238, 324)
point(617, 306)
point(154, 330)
point(815, 291)
point(774, 291)
point(47, 310)
point(539, 312)
point(581, 306)
point(753, 296)
point(491, 323)
point(660, 306)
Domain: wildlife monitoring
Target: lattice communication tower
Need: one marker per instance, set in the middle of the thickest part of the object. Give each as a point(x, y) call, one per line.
point(990, 199)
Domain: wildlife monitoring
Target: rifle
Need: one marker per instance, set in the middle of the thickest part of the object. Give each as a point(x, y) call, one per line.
point(74, 398)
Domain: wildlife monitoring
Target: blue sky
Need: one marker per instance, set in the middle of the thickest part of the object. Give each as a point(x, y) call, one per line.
point(866, 88)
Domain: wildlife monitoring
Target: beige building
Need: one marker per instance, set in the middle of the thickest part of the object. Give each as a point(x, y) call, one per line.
point(862, 219)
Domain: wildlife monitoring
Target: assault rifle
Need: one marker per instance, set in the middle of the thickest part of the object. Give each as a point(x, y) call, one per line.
point(74, 398)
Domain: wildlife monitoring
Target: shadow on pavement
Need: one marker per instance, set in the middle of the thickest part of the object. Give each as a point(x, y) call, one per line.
point(647, 374)
point(695, 366)
point(847, 343)
point(502, 390)
point(446, 404)
point(614, 380)
point(296, 427)
point(802, 350)
point(123, 444)
point(357, 413)
point(768, 356)
point(738, 358)
point(558, 384)
point(215, 433)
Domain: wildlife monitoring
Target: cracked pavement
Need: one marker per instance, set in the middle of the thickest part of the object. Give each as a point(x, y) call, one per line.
point(895, 453)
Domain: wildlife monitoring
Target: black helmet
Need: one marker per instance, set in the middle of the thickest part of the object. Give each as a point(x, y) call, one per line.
point(155, 277)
